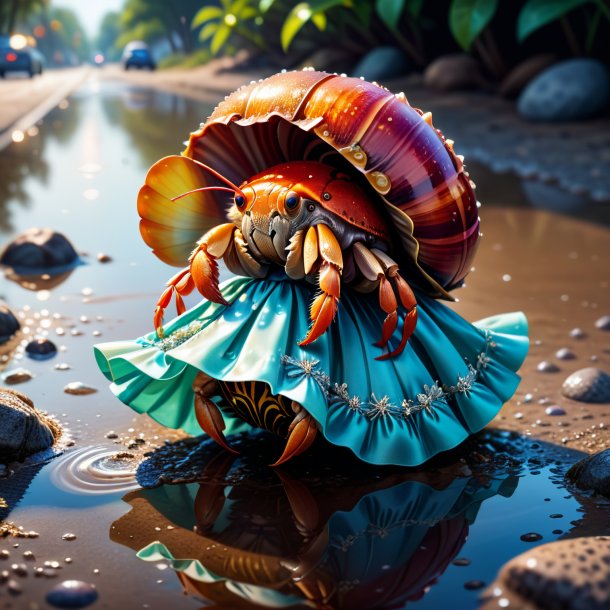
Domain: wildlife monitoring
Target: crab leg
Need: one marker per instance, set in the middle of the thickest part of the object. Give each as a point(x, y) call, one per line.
point(207, 413)
point(322, 251)
point(201, 274)
point(377, 267)
point(301, 434)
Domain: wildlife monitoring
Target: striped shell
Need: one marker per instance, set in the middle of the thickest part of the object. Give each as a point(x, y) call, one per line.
point(358, 126)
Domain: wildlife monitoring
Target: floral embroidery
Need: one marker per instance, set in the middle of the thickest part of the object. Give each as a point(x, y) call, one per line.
point(373, 407)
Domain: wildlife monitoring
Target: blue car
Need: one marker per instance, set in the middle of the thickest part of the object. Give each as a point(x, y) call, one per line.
point(26, 60)
point(137, 55)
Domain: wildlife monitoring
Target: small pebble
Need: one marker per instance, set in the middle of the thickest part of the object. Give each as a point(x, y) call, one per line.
point(40, 349)
point(69, 537)
point(528, 397)
point(4, 554)
point(588, 385)
point(14, 588)
point(554, 410)
point(461, 561)
point(29, 556)
point(112, 434)
point(104, 258)
point(20, 569)
point(565, 354)
point(72, 594)
point(556, 516)
point(17, 376)
point(79, 389)
point(62, 366)
point(603, 323)
point(530, 537)
point(547, 367)
point(474, 585)
point(577, 333)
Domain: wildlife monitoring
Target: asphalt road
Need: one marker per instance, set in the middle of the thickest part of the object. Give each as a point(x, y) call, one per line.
point(24, 100)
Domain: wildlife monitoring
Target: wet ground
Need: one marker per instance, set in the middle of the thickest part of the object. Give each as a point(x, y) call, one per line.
point(78, 172)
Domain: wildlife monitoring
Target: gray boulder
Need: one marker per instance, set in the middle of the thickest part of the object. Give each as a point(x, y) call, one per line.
point(37, 250)
point(567, 91)
point(382, 63)
point(587, 385)
point(592, 473)
point(564, 575)
point(23, 429)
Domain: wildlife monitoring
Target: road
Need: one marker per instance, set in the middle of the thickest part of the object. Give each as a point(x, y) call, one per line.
point(23, 100)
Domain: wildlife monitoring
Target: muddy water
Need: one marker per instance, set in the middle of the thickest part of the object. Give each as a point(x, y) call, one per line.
point(79, 172)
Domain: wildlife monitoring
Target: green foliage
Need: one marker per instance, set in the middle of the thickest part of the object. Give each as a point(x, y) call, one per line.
point(537, 13)
point(468, 18)
point(314, 11)
point(218, 23)
point(390, 11)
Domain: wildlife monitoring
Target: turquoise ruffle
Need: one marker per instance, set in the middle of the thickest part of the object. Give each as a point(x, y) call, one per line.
point(450, 381)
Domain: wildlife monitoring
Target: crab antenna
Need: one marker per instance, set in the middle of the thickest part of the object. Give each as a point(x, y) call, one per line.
point(206, 188)
point(216, 174)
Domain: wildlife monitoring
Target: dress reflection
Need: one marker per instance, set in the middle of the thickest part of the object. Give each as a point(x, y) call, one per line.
point(264, 539)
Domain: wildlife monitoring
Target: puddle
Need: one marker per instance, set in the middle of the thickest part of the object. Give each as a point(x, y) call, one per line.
point(79, 173)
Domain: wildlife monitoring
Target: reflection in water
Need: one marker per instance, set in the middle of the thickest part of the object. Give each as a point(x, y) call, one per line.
point(39, 281)
point(155, 120)
point(257, 538)
point(25, 160)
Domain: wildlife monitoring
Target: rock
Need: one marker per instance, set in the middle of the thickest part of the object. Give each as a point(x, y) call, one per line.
point(15, 376)
point(568, 575)
point(72, 594)
point(603, 323)
point(565, 354)
point(554, 410)
point(78, 388)
point(547, 367)
point(514, 82)
point(592, 473)
point(454, 72)
point(9, 324)
point(23, 429)
point(41, 349)
point(39, 250)
point(578, 333)
point(382, 63)
point(567, 91)
point(587, 385)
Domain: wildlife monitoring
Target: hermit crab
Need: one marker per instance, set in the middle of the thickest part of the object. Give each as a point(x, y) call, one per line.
point(328, 179)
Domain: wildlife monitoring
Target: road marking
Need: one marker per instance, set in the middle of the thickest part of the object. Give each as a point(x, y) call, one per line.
point(23, 123)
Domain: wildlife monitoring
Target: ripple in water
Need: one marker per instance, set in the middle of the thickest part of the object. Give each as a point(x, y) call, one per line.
point(96, 470)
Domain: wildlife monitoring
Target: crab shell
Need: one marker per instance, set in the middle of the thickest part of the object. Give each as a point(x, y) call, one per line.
point(406, 164)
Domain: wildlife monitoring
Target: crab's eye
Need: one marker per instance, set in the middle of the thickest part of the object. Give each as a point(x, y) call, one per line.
point(240, 201)
point(292, 202)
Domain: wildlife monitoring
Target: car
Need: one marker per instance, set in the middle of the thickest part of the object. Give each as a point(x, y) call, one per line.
point(28, 60)
point(137, 55)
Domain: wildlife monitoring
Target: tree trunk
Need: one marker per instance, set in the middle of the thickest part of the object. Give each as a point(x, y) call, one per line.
point(12, 19)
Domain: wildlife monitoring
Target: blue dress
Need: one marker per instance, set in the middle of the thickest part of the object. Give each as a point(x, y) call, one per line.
point(449, 382)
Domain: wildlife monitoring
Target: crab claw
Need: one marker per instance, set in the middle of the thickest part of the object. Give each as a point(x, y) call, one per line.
point(207, 413)
point(301, 434)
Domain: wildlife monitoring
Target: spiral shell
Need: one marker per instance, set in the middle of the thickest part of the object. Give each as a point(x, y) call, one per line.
point(405, 163)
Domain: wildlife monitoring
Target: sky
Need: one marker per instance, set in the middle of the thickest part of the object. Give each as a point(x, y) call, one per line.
point(90, 12)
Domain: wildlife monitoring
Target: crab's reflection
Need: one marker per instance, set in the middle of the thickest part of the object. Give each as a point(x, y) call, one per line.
point(243, 539)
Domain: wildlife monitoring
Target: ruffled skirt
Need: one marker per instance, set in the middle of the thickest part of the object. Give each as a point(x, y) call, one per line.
point(449, 382)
